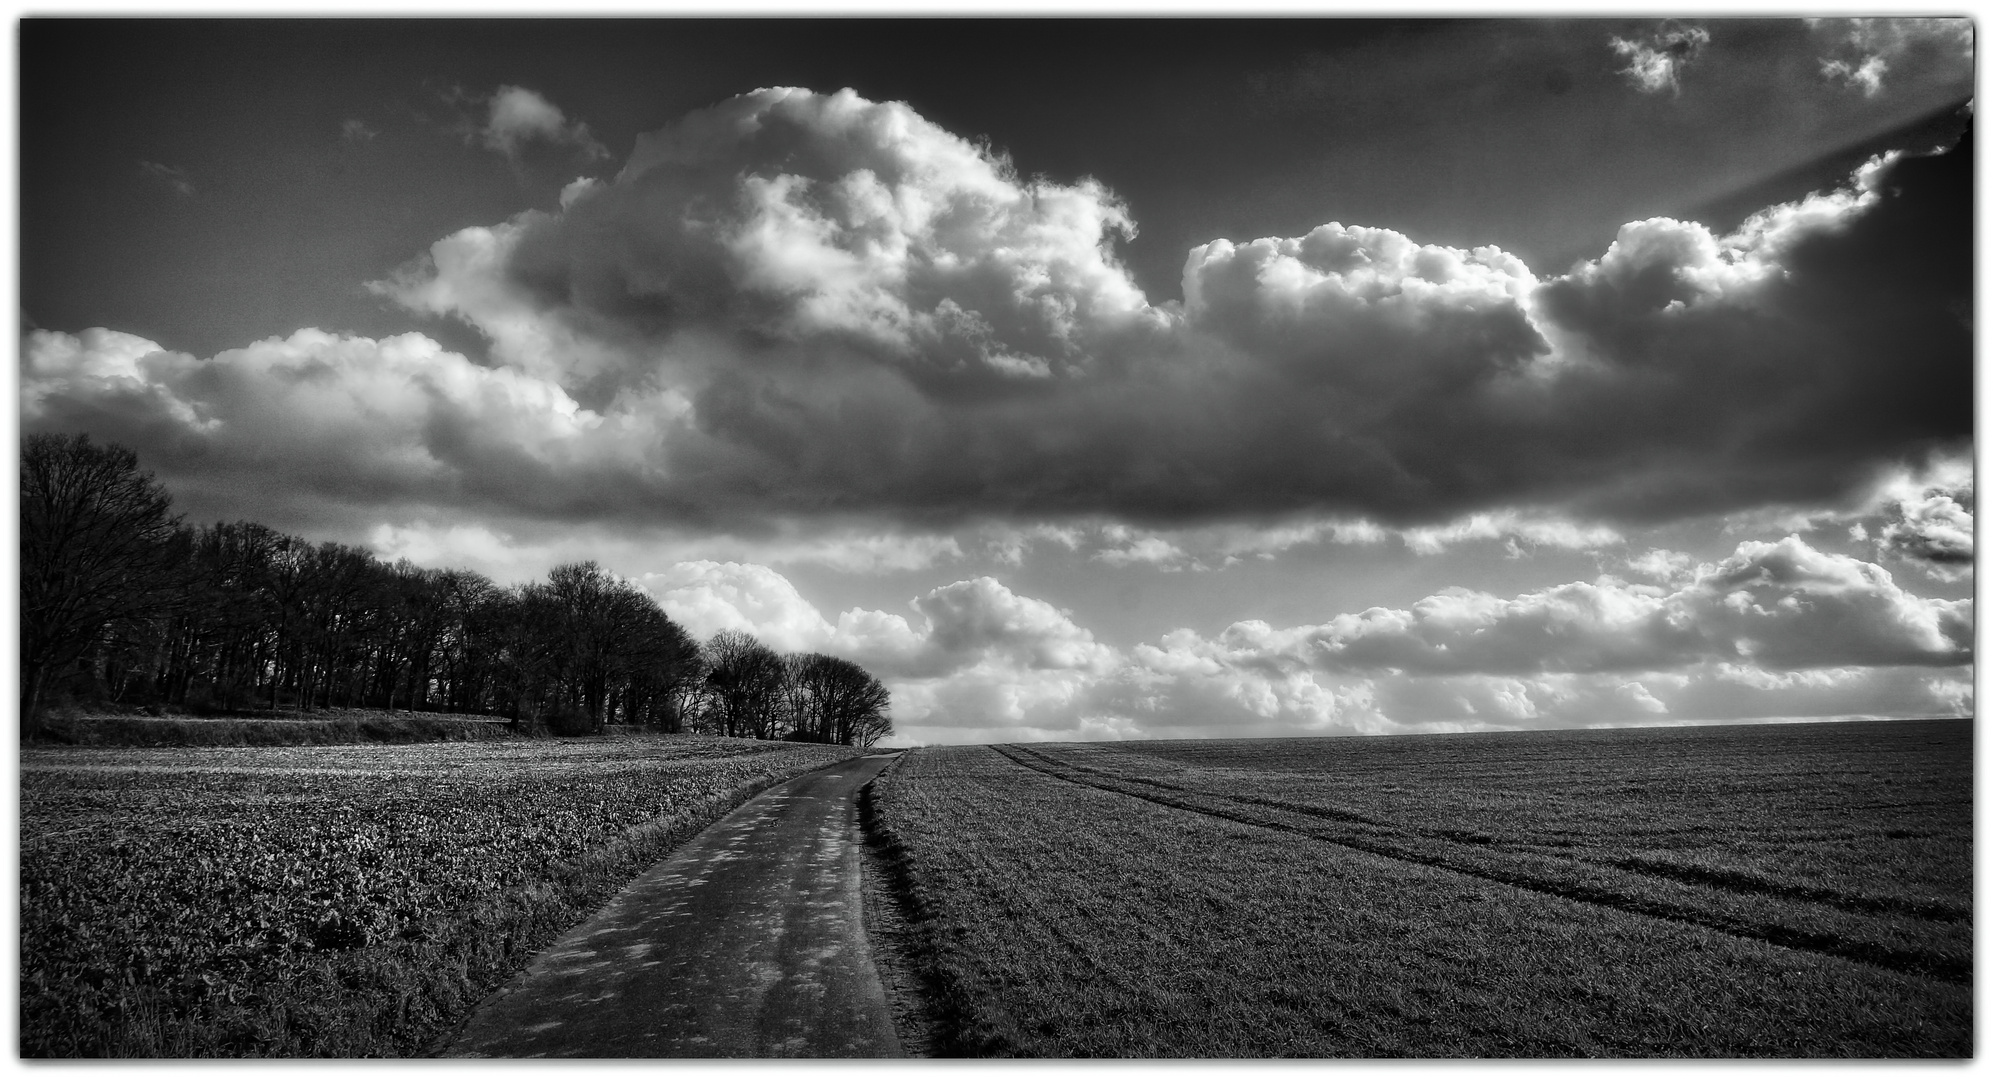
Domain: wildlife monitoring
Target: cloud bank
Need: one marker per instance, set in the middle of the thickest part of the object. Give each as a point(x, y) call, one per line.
point(793, 305)
point(1776, 628)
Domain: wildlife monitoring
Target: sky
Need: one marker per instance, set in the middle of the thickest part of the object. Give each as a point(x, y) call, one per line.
point(1082, 378)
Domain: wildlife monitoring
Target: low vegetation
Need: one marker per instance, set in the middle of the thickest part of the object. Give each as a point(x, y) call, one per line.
point(1794, 890)
point(333, 900)
point(321, 728)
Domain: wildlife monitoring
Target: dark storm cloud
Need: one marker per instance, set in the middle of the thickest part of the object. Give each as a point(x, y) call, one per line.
point(794, 305)
point(869, 310)
point(1802, 357)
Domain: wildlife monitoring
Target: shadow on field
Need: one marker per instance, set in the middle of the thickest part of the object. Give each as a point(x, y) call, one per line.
point(901, 931)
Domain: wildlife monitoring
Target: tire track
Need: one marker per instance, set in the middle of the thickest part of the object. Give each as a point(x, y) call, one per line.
point(1731, 881)
point(1923, 964)
point(1740, 882)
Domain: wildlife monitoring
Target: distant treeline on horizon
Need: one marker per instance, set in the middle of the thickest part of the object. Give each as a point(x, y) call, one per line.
point(124, 605)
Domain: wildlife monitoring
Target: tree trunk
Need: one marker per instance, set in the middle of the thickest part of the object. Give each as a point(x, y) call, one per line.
point(31, 700)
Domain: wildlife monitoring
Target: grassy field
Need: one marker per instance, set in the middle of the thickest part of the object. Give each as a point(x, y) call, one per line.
point(343, 901)
point(1800, 890)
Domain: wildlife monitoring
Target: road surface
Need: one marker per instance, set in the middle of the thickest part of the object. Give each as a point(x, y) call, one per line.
point(746, 942)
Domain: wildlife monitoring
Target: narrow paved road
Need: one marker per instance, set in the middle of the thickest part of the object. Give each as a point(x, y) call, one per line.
point(747, 942)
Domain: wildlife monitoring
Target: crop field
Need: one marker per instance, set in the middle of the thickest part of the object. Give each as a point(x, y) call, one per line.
point(1778, 890)
point(333, 900)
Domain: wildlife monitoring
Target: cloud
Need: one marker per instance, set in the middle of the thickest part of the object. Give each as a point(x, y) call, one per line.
point(978, 654)
point(1860, 53)
point(1872, 505)
point(1515, 531)
point(1008, 544)
point(1670, 568)
point(524, 551)
point(287, 427)
point(1919, 515)
point(1867, 76)
point(1214, 547)
point(1767, 339)
point(832, 221)
point(1777, 629)
point(1655, 64)
point(518, 117)
point(976, 623)
point(175, 180)
point(356, 130)
point(1153, 550)
point(477, 548)
point(1778, 606)
point(793, 308)
point(982, 619)
point(1934, 531)
point(1924, 517)
point(708, 597)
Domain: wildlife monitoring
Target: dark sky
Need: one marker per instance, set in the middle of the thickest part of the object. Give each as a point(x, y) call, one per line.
point(1517, 133)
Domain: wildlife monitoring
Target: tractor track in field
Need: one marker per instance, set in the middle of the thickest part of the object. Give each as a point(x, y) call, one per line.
point(1730, 881)
point(1735, 881)
point(1917, 963)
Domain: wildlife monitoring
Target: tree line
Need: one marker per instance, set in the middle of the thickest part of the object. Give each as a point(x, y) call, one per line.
point(122, 603)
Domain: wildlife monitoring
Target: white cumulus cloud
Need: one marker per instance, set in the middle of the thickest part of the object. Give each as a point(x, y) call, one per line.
point(1655, 63)
point(516, 117)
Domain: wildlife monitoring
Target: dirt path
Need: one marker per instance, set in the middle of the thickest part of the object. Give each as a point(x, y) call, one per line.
point(747, 942)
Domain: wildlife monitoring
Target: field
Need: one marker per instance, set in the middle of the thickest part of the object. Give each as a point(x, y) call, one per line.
point(333, 900)
point(1780, 890)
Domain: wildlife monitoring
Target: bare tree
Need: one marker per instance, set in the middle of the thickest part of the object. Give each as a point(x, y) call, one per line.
point(744, 679)
point(98, 548)
point(837, 701)
point(660, 660)
point(800, 715)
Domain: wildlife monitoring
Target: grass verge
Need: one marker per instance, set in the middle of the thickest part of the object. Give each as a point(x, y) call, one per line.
point(897, 926)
